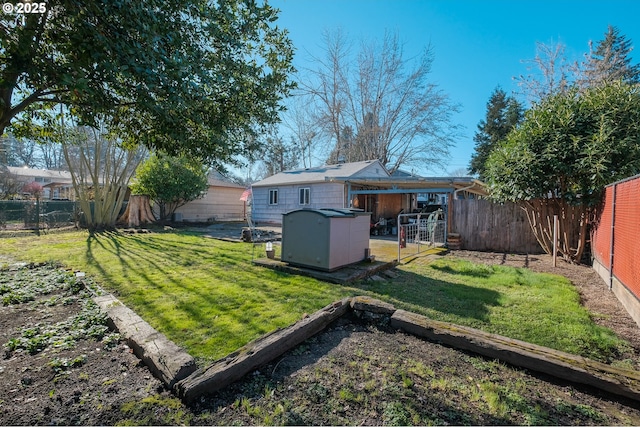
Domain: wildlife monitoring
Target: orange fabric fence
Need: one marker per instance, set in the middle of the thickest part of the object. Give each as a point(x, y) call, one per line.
point(619, 220)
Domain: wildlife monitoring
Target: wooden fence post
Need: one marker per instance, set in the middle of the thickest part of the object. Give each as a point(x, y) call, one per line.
point(555, 240)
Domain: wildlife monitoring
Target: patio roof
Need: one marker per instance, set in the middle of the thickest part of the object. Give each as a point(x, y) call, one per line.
point(413, 185)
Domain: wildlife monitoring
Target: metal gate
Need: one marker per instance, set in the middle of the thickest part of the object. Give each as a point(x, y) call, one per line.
point(421, 231)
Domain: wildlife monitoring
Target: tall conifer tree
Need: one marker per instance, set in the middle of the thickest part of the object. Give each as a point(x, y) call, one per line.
point(610, 61)
point(503, 114)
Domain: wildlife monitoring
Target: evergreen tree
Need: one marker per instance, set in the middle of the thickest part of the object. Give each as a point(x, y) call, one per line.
point(346, 151)
point(609, 61)
point(503, 114)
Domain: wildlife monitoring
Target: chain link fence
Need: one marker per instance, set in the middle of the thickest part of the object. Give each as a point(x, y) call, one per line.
point(38, 214)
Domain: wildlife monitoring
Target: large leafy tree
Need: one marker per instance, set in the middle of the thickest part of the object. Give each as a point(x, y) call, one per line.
point(559, 159)
point(170, 182)
point(189, 76)
point(503, 114)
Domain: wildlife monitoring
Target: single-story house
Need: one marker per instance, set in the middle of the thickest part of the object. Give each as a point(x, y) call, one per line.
point(307, 188)
point(56, 185)
point(364, 185)
point(220, 203)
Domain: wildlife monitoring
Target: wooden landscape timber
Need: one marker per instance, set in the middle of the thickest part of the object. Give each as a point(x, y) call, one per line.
point(577, 369)
point(189, 384)
point(166, 361)
point(258, 353)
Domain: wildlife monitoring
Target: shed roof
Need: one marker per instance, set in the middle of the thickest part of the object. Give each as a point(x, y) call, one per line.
point(367, 168)
point(330, 212)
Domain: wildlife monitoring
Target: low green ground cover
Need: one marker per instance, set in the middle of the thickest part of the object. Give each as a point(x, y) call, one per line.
point(207, 296)
point(50, 286)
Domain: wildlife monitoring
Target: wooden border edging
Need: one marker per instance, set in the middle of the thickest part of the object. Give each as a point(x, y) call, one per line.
point(257, 353)
point(622, 382)
point(177, 369)
point(166, 361)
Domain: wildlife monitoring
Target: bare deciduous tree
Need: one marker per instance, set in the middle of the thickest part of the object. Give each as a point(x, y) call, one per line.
point(548, 72)
point(52, 155)
point(100, 170)
point(23, 152)
point(303, 126)
point(380, 105)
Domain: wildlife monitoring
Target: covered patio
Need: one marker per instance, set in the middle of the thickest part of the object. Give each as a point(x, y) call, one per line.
point(387, 197)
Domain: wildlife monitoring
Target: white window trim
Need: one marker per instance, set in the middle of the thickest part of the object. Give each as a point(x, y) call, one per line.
point(273, 191)
point(304, 193)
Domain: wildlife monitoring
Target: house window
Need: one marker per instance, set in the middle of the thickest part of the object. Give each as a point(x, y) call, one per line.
point(304, 196)
point(273, 197)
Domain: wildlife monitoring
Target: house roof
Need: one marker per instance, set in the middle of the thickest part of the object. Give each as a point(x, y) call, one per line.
point(216, 179)
point(221, 183)
point(337, 172)
point(56, 178)
point(50, 175)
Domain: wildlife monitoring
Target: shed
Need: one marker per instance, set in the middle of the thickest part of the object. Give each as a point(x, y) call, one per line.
point(325, 239)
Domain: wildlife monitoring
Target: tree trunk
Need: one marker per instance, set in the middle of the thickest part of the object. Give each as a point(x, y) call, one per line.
point(573, 226)
point(138, 212)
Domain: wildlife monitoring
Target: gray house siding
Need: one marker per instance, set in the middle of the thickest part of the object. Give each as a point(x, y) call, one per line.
point(321, 195)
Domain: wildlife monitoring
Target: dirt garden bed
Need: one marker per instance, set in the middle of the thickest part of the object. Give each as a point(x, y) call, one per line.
point(354, 373)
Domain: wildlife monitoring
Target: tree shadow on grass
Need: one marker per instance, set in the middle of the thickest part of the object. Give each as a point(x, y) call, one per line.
point(423, 294)
point(144, 262)
point(150, 265)
point(481, 273)
point(230, 300)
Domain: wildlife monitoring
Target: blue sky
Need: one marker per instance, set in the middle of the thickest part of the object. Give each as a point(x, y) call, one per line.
point(478, 45)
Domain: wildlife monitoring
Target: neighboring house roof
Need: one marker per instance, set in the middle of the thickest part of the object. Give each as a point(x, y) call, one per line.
point(340, 171)
point(402, 173)
point(216, 179)
point(64, 177)
point(48, 175)
point(220, 183)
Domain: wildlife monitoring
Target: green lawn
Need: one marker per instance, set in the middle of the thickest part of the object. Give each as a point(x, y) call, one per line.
point(207, 296)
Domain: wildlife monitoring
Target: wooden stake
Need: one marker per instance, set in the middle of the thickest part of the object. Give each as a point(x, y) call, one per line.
point(555, 240)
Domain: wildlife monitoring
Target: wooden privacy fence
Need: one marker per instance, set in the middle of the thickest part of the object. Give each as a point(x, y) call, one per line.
point(497, 227)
